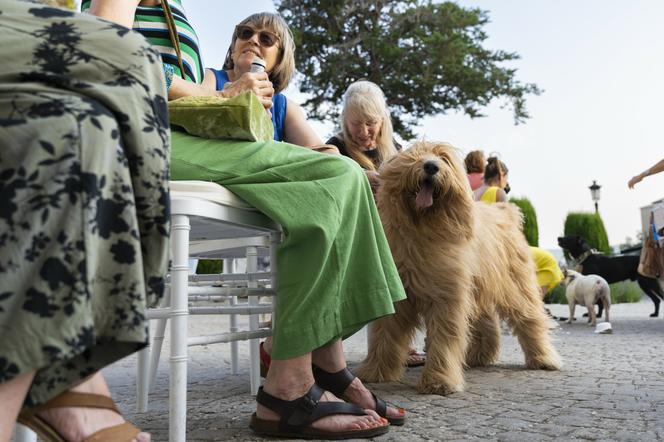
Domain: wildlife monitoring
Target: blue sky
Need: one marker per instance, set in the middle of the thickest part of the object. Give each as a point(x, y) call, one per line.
point(600, 63)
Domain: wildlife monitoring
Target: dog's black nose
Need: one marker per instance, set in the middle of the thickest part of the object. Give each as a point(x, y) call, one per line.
point(431, 168)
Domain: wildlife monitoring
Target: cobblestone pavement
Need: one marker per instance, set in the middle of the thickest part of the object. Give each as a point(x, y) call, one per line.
point(611, 388)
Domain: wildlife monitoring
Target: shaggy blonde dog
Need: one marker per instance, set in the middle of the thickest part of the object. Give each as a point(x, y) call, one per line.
point(465, 265)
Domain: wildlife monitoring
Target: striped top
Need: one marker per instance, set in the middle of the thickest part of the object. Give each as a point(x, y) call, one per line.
point(151, 22)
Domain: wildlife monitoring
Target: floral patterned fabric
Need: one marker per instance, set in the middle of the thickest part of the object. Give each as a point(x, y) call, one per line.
point(84, 215)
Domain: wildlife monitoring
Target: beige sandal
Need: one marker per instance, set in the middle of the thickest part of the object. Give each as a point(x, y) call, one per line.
point(122, 432)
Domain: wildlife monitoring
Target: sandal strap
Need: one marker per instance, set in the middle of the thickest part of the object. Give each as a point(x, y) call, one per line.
point(122, 432)
point(301, 412)
point(336, 383)
point(381, 406)
point(75, 399)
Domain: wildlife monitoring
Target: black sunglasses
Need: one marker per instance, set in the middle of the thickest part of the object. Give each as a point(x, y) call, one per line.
point(265, 38)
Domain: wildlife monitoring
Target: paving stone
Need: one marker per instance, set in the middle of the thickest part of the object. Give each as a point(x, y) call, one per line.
point(611, 388)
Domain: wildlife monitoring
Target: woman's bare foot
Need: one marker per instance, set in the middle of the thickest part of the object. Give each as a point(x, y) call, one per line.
point(358, 394)
point(290, 379)
point(415, 358)
point(331, 359)
point(77, 423)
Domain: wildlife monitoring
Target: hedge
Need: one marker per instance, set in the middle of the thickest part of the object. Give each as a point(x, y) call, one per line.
point(530, 228)
point(625, 291)
point(591, 227)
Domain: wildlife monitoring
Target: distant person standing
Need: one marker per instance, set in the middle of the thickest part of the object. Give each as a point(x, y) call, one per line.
point(495, 181)
point(475, 163)
point(657, 168)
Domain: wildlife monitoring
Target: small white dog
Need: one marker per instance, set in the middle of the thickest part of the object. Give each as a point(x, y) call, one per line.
point(586, 290)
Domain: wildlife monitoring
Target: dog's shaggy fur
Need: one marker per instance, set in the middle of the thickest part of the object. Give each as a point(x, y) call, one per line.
point(586, 290)
point(465, 265)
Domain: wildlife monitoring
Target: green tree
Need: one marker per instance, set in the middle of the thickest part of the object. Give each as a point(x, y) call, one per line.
point(591, 227)
point(427, 57)
point(530, 228)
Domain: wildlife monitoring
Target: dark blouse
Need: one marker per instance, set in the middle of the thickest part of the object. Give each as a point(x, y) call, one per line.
point(371, 153)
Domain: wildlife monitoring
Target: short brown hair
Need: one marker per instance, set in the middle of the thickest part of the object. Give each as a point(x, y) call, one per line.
point(284, 70)
point(475, 161)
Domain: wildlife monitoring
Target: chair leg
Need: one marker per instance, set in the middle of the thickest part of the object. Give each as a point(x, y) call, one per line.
point(235, 363)
point(143, 380)
point(24, 434)
point(180, 228)
point(229, 267)
point(254, 355)
point(157, 343)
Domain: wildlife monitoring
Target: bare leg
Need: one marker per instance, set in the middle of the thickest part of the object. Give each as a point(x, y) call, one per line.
point(289, 379)
point(12, 395)
point(331, 359)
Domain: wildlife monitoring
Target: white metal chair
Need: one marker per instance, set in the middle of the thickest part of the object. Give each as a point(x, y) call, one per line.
point(208, 221)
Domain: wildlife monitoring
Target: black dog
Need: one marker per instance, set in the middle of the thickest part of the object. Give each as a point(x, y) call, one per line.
point(611, 268)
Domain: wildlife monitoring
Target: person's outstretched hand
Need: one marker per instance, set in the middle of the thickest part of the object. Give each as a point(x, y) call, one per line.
point(635, 179)
point(258, 83)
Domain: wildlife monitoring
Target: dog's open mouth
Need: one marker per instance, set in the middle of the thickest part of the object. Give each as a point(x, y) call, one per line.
point(424, 196)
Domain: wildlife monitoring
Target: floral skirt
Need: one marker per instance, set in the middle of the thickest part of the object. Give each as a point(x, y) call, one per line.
point(84, 215)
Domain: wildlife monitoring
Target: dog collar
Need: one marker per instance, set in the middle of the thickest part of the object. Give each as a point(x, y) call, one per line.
point(585, 255)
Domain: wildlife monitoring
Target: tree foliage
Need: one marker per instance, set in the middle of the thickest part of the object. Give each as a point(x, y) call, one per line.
point(530, 228)
point(591, 227)
point(428, 58)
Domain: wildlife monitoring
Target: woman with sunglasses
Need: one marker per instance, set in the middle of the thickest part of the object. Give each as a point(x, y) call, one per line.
point(336, 272)
point(266, 36)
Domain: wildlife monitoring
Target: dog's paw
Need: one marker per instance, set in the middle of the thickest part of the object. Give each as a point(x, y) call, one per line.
point(569, 321)
point(545, 362)
point(369, 373)
point(442, 389)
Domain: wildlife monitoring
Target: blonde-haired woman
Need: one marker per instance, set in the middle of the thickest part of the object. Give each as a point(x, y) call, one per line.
point(366, 133)
point(366, 136)
point(265, 35)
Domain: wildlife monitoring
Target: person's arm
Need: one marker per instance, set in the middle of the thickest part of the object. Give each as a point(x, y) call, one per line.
point(657, 168)
point(296, 129)
point(118, 11)
point(501, 196)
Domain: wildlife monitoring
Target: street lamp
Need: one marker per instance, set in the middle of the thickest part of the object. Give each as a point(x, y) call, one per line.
point(594, 193)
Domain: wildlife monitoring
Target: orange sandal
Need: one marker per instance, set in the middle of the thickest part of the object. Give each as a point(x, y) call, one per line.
point(122, 432)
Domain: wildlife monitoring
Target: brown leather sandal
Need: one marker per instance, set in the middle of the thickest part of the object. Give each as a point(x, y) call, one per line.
point(122, 432)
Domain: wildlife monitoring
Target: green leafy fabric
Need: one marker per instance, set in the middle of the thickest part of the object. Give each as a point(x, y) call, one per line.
point(239, 118)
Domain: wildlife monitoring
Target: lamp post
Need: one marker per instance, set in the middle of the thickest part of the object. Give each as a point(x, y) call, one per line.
point(594, 193)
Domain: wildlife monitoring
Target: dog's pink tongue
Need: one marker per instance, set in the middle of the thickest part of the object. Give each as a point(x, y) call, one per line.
point(424, 197)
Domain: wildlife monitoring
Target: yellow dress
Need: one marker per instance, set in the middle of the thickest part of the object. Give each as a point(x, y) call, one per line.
point(489, 195)
point(548, 272)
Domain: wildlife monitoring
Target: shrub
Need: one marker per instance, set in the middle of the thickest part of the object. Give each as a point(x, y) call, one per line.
point(530, 228)
point(625, 291)
point(209, 266)
point(590, 227)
